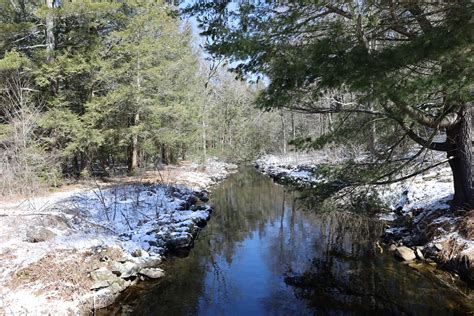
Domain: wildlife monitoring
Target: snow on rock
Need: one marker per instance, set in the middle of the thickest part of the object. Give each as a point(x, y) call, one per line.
point(140, 216)
point(298, 170)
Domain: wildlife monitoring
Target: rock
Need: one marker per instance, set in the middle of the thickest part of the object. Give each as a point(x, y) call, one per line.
point(104, 258)
point(438, 247)
point(191, 200)
point(103, 274)
point(419, 254)
point(136, 253)
point(392, 247)
point(430, 252)
point(202, 195)
point(405, 253)
point(116, 288)
point(100, 285)
point(39, 234)
point(152, 273)
point(150, 262)
point(182, 240)
point(124, 270)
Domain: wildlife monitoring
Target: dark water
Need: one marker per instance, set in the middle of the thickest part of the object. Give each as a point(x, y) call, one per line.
point(267, 251)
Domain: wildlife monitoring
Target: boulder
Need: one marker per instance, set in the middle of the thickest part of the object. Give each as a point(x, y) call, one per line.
point(191, 200)
point(100, 285)
point(149, 262)
point(103, 274)
point(152, 273)
point(124, 270)
point(405, 253)
point(39, 234)
point(181, 240)
point(202, 195)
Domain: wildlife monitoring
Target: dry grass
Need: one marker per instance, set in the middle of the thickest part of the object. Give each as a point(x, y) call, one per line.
point(63, 275)
point(451, 250)
point(466, 226)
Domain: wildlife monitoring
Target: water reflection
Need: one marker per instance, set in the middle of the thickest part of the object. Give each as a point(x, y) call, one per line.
point(266, 252)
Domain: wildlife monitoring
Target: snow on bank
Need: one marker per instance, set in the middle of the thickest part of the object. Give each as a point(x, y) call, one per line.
point(68, 252)
point(143, 217)
point(417, 210)
point(296, 168)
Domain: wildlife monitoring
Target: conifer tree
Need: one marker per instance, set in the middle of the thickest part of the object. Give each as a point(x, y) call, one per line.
point(406, 64)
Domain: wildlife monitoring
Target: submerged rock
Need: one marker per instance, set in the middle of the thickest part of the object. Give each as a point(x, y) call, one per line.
point(405, 253)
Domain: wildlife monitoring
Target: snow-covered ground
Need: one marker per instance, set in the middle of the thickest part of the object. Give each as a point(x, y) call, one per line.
point(298, 169)
point(72, 251)
point(416, 210)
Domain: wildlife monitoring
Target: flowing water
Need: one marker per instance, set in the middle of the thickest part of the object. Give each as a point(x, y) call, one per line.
point(269, 251)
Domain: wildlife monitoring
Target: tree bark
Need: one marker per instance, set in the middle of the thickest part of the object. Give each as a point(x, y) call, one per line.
point(283, 128)
point(50, 40)
point(204, 136)
point(136, 119)
point(461, 161)
point(134, 162)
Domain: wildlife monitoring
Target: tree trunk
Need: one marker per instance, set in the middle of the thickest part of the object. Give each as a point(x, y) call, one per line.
point(134, 160)
point(283, 128)
point(136, 120)
point(183, 151)
point(50, 40)
point(204, 136)
point(163, 154)
point(461, 162)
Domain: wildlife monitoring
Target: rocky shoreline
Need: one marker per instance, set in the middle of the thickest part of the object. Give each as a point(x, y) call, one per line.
point(420, 228)
point(80, 249)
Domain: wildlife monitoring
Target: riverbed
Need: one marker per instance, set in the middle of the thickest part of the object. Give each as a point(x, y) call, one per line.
point(269, 250)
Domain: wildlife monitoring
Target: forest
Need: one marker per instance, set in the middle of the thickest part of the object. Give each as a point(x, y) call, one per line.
point(125, 124)
point(94, 88)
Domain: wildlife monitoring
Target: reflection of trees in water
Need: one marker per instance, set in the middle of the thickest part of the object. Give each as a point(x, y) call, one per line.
point(348, 274)
point(244, 204)
point(329, 258)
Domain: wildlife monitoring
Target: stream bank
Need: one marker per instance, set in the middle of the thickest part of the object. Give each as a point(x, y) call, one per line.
point(75, 251)
point(420, 228)
point(270, 250)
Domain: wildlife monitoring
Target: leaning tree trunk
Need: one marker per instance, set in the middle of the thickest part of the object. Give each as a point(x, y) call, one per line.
point(461, 161)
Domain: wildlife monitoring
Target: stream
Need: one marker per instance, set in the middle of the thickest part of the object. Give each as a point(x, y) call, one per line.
point(268, 250)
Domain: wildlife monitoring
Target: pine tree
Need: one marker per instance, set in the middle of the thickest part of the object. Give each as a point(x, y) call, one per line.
point(406, 64)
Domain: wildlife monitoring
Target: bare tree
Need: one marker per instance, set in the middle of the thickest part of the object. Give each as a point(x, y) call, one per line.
point(25, 168)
